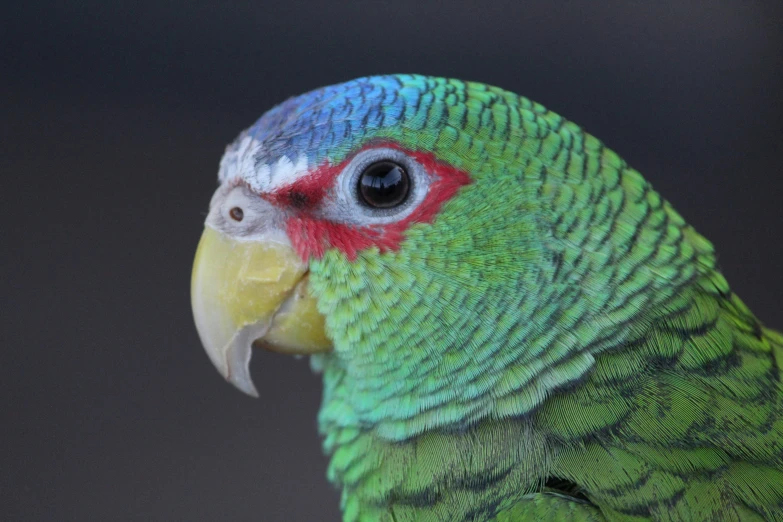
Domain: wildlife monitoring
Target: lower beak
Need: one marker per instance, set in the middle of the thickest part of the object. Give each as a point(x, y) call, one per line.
point(247, 293)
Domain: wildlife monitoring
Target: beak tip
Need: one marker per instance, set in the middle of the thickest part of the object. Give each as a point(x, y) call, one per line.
point(235, 365)
point(243, 384)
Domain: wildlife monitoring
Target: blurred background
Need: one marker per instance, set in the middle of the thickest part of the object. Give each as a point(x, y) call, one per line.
point(113, 118)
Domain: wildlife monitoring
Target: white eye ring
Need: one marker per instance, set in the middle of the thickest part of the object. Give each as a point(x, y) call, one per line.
point(351, 208)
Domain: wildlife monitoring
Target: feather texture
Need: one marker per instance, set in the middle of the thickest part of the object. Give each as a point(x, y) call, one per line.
point(555, 343)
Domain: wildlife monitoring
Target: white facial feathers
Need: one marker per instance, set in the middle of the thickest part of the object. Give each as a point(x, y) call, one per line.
point(241, 161)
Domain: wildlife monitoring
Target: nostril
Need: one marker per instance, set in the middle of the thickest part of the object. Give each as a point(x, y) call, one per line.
point(236, 214)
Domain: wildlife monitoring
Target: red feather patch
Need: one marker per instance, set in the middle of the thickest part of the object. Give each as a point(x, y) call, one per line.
point(312, 236)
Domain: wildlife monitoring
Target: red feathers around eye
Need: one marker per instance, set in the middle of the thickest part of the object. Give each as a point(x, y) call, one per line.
point(308, 191)
point(312, 236)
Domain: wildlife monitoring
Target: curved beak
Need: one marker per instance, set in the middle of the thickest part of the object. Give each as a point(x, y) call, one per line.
point(246, 293)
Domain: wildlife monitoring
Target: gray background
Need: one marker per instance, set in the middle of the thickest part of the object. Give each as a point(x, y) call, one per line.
point(114, 116)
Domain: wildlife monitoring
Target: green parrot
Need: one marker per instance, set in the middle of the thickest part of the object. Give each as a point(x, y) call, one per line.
point(511, 324)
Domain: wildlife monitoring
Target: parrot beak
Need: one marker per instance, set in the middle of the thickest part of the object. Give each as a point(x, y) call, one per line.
point(252, 293)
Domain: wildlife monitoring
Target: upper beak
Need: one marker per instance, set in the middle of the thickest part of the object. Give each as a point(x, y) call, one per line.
point(252, 292)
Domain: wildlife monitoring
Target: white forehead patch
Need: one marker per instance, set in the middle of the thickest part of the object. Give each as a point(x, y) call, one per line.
point(240, 162)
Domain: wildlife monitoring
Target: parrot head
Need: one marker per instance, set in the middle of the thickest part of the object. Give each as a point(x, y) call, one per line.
point(445, 251)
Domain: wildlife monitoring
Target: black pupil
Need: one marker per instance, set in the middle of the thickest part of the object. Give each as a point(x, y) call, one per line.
point(384, 184)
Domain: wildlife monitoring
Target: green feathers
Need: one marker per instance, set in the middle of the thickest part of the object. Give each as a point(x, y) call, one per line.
point(555, 343)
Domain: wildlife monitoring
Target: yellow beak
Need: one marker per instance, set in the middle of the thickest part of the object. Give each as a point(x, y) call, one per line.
point(247, 293)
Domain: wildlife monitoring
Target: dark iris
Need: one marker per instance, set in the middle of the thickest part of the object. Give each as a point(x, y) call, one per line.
point(236, 214)
point(384, 184)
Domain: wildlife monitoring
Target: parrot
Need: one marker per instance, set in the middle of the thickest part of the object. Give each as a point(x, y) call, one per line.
point(510, 323)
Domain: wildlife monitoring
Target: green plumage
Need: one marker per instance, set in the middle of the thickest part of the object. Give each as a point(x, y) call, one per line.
point(558, 344)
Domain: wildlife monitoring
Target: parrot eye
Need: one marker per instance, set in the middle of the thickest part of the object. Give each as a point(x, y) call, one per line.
point(236, 214)
point(383, 184)
point(379, 185)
